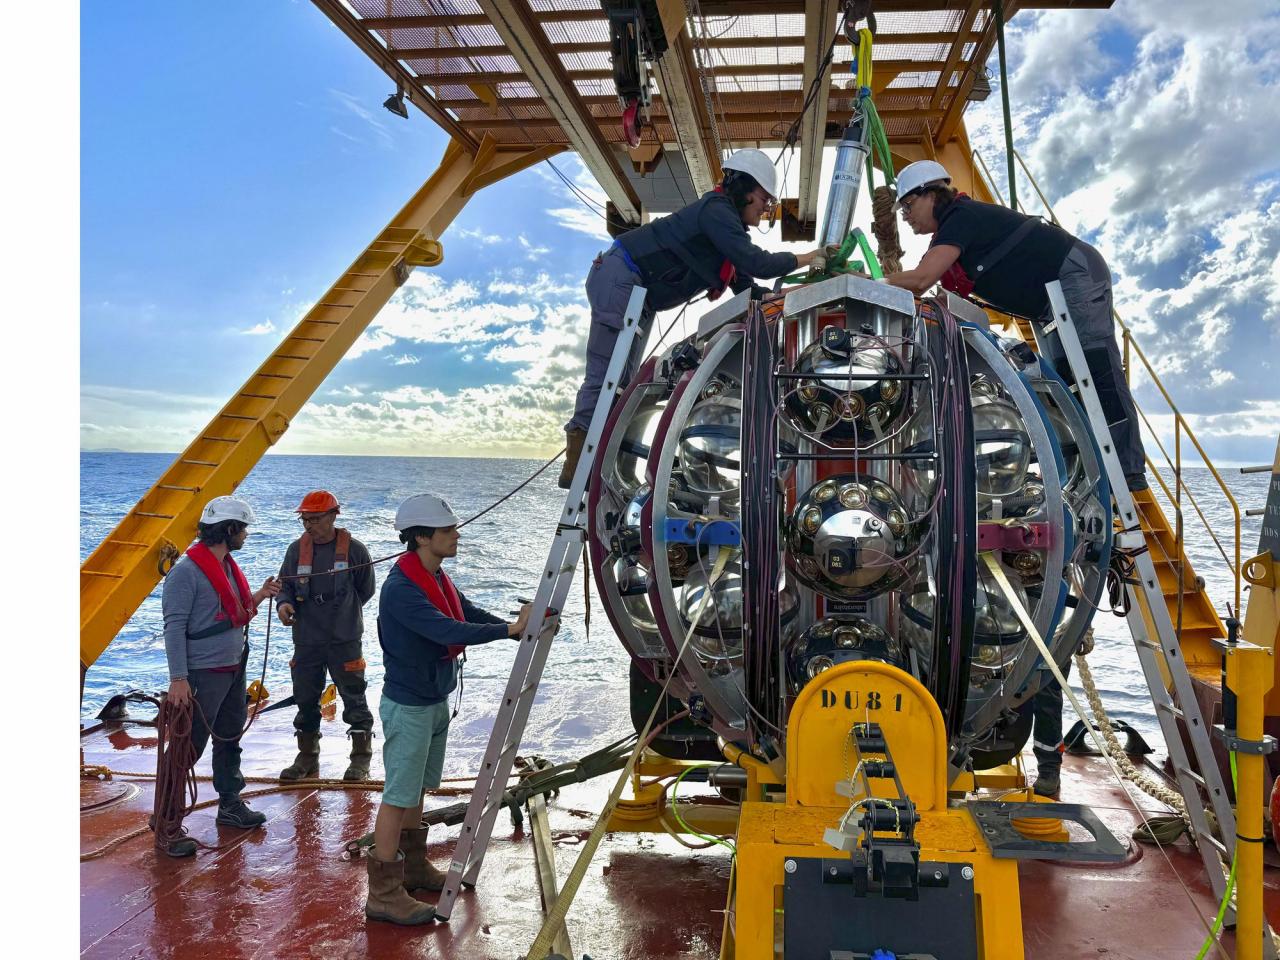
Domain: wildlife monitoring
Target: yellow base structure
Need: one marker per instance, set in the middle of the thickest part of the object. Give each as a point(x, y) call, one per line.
point(823, 752)
point(769, 834)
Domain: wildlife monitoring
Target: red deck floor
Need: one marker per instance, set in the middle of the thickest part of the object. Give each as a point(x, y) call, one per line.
point(283, 891)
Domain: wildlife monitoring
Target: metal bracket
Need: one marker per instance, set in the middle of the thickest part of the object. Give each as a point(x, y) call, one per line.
point(995, 820)
point(1259, 747)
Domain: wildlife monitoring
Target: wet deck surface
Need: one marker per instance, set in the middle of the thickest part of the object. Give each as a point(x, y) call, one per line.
point(284, 891)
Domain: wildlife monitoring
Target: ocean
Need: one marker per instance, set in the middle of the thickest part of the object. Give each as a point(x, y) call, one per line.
point(500, 558)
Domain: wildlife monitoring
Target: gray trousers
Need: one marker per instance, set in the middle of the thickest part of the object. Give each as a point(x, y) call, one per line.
point(1086, 286)
point(316, 652)
point(609, 285)
point(221, 696)
point(1046, 724)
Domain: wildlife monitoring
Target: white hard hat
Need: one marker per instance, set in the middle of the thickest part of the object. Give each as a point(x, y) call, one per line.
point(425, 510)
point(758, 165)
point(916, 175)
point(226, 508)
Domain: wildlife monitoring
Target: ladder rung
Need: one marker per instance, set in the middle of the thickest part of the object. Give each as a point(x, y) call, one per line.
point(237, 416)
point(1192, 775)
point(331, 323)
point(222, 439)
point(344, 306)
point(1170, 708)
point(350, 289)
point(201, 463)
point(161, 516)
point(276, 376)
point(307, 339)
point(130, 543)
point(99, 573)
point(260, 396)
point(174, 486)
point(289, 356)
point(1218, 845)
point(1149, 644)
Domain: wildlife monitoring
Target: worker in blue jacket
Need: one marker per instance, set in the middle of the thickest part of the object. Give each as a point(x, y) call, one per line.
point(702, 248)
point(424, 626)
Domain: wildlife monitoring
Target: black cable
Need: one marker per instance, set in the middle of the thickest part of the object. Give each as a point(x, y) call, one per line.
point(590, 204)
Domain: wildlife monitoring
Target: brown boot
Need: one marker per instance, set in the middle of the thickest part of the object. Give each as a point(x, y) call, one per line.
point(361, 755)
point(573, 440)
point(306, 765)
point(387, 897)
point(419, 874)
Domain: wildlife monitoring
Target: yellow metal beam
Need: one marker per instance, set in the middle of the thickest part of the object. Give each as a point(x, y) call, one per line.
point(686, 108)
point(960, 99)
point(125, 567)
point(529, 46)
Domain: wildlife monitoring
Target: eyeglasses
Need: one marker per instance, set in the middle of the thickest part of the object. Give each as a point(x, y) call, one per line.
point(906, 204)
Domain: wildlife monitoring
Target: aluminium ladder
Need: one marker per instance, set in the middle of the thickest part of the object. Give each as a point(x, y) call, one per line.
point(1147, 609)
point(535, 643)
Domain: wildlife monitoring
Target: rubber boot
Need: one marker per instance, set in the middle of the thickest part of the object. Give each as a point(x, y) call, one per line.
point(573, 441)
point(1048, 782)
point(419, 874)
point(388, 899)
point(306, 765)
point(361, 755)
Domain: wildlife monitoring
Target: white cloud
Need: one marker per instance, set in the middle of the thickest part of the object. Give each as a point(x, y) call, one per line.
point(487, 239)
point(1164, 158)
point(266, 326)
point(404, 360)
point(357, 108)
point(585, 212)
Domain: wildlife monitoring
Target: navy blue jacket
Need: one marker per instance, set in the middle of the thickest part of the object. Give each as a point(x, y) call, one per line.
point(414, 636)
point(709, 231)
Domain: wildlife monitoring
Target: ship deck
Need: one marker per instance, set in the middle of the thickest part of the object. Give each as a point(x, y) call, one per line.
point(285, 891)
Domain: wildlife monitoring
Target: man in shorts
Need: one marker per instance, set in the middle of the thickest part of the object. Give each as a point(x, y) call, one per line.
point(424, 625)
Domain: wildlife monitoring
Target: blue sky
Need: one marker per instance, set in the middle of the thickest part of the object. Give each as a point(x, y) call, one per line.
point(236, 157)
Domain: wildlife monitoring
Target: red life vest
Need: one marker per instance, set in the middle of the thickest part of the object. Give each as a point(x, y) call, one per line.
point(306, 556)
point(443, 598)
point(238, 609)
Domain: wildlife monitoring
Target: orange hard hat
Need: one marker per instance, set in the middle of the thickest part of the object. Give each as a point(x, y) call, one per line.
point(318, 501)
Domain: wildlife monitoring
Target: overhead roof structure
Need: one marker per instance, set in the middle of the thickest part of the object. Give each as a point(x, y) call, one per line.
point(537, 72)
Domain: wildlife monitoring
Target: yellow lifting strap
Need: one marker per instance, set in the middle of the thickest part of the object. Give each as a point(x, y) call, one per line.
point(555, 917)
point(864, 58)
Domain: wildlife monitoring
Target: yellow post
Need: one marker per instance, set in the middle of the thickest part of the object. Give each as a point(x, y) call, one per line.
point(1249, 675)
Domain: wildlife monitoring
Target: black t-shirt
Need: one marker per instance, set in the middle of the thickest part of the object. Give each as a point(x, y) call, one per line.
point(1016, 283)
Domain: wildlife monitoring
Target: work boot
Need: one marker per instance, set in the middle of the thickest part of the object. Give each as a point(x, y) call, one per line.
point(1048, 782)
point(419, 873)
point(306, 765)
point(361, 755)
point(388, 899)
point(180, 846)
point(236, 813)
point(574, 438)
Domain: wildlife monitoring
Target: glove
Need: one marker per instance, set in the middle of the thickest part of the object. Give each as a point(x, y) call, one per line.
point(819, 262)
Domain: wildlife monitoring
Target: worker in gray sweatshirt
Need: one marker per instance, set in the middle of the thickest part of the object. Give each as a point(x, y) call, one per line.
point(207, 607)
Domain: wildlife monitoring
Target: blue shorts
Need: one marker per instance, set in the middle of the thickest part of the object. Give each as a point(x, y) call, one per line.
point(413, 740)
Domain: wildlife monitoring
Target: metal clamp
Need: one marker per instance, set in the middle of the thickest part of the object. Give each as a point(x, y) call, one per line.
point(1238, 745)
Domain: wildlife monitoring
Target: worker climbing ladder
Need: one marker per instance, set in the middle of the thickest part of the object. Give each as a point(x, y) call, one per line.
point(1148, 612)
point(535, 643)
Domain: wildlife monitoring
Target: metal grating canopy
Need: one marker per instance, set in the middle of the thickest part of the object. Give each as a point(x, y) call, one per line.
point(527, 73)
